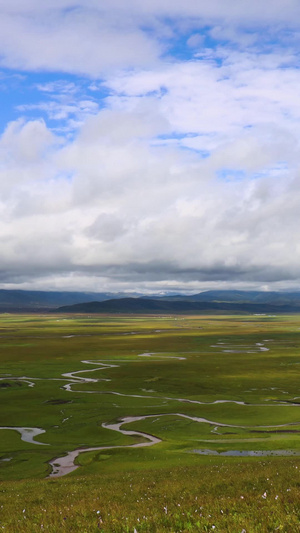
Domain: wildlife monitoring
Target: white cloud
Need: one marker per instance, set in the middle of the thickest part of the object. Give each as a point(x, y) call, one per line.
point(59, 87)
point(195, 40)
point(246, 89)
point(139, 214)
point(63, 110)
point(91, 37)
point(76, 41)
point(25, 142)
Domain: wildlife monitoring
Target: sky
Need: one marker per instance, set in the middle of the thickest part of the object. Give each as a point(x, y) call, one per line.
point(149, 145)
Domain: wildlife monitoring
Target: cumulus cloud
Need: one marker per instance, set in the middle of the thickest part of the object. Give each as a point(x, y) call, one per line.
point(79, 40)
point(135, 213)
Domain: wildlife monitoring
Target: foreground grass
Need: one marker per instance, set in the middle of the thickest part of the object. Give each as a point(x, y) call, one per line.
point(223, 496)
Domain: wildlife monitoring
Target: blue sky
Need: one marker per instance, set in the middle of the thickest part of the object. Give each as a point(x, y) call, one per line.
point(150, 146)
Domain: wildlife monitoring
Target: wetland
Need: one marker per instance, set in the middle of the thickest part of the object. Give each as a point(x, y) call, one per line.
point(104, 397)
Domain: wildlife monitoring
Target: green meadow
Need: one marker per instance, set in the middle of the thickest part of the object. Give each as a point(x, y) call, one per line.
point(221, 393)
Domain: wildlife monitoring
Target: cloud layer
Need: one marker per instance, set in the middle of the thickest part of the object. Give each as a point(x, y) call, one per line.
point(92, 37)
point(169, 160)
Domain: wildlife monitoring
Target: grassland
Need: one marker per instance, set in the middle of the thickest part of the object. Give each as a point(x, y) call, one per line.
point(205, 386)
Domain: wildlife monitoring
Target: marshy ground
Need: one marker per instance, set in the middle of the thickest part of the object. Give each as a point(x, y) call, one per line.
point(194, 423)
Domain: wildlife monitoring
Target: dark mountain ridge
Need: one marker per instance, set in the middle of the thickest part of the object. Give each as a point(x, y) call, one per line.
point(148, 306)
point(215, 300)
point(272, 297)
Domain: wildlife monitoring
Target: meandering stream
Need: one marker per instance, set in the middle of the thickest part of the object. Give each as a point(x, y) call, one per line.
point(66, 464)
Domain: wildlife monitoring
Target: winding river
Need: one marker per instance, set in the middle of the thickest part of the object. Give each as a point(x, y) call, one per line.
point(66, 464)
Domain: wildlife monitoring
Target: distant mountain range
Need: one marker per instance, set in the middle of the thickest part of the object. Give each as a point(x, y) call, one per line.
point(19, 300)
point(261, 297)
point(206, 302)
point(227, 301)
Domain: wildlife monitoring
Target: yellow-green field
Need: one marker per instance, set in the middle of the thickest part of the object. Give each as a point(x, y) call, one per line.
point(221, 396)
